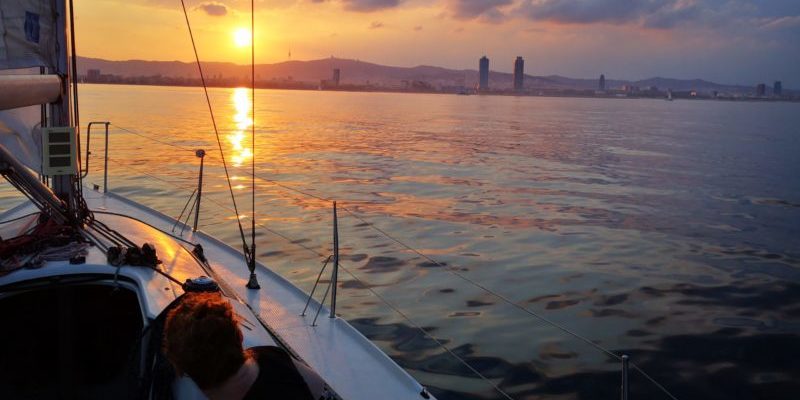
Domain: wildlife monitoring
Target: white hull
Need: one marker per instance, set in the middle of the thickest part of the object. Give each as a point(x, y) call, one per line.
point(352, 365)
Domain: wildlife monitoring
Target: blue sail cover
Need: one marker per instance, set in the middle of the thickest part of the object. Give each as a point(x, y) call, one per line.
point(29, 34)
point(29, 39)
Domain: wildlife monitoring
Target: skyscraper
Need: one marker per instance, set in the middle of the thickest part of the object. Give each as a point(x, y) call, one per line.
point(336, 75)
point(483, 83)
point(519, 73)
point(777, 88)
point(761, 89)
point(602, 84)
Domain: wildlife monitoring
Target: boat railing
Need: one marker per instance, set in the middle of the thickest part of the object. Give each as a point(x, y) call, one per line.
point(89, 152)
point(334, 281)
point(332, 285)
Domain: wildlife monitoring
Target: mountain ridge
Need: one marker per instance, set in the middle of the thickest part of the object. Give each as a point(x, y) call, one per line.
point(359, 72)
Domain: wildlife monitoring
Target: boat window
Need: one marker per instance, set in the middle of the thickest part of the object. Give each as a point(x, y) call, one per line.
point(77, 341)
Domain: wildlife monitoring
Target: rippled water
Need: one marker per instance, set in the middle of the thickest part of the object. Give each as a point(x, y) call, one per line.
point(669, 231)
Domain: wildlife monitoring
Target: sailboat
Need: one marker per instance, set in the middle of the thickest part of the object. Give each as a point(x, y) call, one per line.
point(86, 275)
point(669, 95)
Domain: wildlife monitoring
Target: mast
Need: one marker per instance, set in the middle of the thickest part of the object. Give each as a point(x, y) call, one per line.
point(42, 42)
point(66, 187)
point(59, 110)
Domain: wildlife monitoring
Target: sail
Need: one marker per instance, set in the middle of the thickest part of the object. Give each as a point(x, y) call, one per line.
point(29, 34)
point(29, 38)
point(20, 134)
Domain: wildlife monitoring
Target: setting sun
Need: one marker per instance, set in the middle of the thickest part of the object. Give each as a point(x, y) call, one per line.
point(241, 37)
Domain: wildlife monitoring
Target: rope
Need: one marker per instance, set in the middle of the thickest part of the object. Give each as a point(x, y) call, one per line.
point(654, 382)
point(448, 269)
point(177, 146)
point(510, 302)
point(276, 183)
point(216, 131)
point(251, 257)
point(428, 334)
point(18, 218)
point(484, 288)
point(211, 199)
point(178, 238)
point(144, 172)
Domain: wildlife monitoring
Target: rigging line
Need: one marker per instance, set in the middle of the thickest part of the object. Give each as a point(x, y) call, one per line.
point(514, 304)
point(449, 269)
point(19, 218)
point(395, 309)
point(211, 199)
point(390, 305)
point(153, 139)
point(253, 130)
point(145, 223)
point(216, 132)
point(654, 382)
point(276, 183)
point(142, 171)
point(485, 289)
point(428, 334)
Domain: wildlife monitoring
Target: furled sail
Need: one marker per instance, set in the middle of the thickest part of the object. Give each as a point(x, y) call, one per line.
point(29, 37)
point(20, 134)
point(28, 40)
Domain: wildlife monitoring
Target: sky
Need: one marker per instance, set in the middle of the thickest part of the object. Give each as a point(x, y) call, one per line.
point(726, 41)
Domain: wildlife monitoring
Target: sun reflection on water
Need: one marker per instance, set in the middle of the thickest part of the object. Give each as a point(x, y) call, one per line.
point(242, 121)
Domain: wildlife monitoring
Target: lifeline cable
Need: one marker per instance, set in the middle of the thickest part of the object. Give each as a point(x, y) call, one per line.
point(251, 257)
point(177, 146)
point(445, 267)
point(216, 131)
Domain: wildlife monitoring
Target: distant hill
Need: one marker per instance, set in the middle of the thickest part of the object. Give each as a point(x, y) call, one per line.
point(360, 72)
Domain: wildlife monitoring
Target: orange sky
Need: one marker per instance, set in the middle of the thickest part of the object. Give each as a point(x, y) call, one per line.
point(676, 38)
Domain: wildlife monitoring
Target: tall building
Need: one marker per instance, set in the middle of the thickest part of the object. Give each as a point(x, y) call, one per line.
point(777, 88)
point(483, 82)
point(519, 73)
point(761, 89)
point(336, 76)
point(602, 84)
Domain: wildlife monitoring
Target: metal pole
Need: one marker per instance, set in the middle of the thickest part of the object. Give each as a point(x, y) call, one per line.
point(88, 144)
point(105, 164)
point(625, 388)
point(202, 154)
point(335, 274)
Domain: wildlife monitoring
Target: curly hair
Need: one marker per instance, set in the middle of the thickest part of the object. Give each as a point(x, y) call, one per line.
point(202, 339)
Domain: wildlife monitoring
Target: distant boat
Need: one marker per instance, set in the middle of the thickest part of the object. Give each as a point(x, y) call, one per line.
point(669, 95)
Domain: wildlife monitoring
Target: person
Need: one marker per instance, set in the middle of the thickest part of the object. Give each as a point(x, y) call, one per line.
point(202, 339)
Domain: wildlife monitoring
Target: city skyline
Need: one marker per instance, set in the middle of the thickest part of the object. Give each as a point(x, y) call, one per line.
point(729, 41)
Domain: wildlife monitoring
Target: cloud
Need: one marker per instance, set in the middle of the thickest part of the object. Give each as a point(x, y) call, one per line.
point(671, 15)
point(369, 5)
point(590, 11)
point(487, 10)
point(791, 22)
point(656, 14)
point(376, 25)
point(213, 9)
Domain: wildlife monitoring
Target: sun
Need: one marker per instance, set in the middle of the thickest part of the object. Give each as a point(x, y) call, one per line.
point(241, 37)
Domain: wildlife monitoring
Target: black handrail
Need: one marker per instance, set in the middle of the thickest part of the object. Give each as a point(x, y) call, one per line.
point(88, 152)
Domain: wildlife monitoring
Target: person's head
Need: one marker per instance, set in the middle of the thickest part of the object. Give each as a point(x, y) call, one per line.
point(202, 339)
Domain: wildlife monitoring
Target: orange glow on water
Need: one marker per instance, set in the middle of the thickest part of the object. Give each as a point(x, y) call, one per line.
point(242, 120)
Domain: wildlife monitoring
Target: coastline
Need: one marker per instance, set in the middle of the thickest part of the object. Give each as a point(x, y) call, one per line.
point(543, 92)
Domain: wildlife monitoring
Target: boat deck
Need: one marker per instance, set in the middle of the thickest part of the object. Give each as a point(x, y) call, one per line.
point(352, 365)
